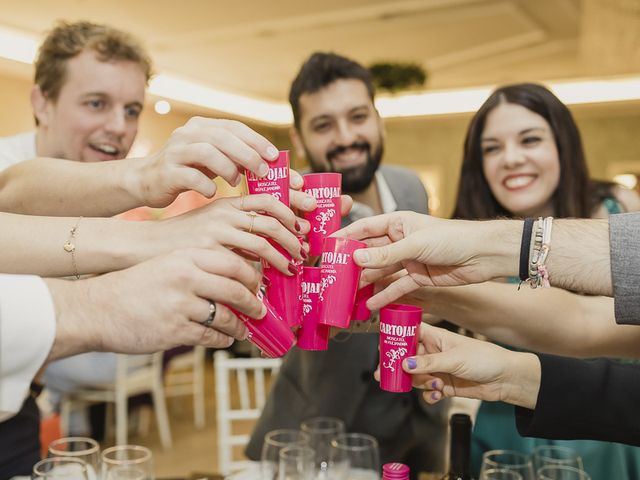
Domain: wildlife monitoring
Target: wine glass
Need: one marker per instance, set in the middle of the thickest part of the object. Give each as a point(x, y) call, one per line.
point(60, 468)
point(321, 431)
point(500, 474)
point(561, 472)
point(296, 463)
point(354, 456)
point(556, 455)
point(508, 460)
point(127, 462)
point(85, 449)
point(274, 441)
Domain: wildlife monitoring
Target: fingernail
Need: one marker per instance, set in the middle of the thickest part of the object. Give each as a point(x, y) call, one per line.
point(303, 254)
point(307, 204)
point(434, 384)
point(272, 152)
point(263, 170)
point(293, 269)
point(362, 256)
point(296, 182)
point(266, 282)
point(297, 226)
point(435, 396)
point(412, 364)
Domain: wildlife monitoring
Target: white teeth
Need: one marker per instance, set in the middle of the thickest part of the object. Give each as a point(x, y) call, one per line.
point(109, 149)
point(350, 154)
point(520, 181)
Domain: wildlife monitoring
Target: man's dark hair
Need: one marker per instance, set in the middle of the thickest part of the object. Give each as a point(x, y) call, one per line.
point(322, 69)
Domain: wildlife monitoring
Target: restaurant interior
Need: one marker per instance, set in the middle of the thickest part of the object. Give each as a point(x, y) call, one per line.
point(236, 60)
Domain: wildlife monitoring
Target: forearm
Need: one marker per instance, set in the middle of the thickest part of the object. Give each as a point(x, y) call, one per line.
point(522, 381)
point(46, 186)
point(579, 257)
point(35, 245)
point(543, 320)
point(73, 307)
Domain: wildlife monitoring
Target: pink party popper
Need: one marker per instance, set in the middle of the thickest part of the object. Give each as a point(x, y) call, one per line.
point(326, 188)
point(399, 328)
point(360, 311)
point(312, 335)
point(284, 291)
point(270, 334)
point(276, 182)
point(340, 278)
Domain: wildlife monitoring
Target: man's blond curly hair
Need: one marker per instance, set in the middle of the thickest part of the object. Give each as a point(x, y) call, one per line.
point(69, 39)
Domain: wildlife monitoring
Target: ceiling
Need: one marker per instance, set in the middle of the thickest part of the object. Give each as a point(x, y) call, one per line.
point(254, 48)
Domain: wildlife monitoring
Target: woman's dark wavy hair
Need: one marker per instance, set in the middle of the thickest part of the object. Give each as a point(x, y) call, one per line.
point(576, 195)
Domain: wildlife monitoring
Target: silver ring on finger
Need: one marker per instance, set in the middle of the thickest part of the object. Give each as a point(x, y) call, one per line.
point(212, 314)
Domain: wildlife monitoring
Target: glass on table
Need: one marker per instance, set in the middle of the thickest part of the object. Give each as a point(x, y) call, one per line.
point(85, 449)
point(508, 460)
point(274, 441)
point(354, 456)
point(561, 472)
point(127, 462)
point(500, 474)
point(544, 455)
point(321, 431)
point(296, 463)
point(60, 468)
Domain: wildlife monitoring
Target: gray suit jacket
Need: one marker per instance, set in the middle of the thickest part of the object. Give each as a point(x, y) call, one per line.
point(624, 237)
point(339, 382)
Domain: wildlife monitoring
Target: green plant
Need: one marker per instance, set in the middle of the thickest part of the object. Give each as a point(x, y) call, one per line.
point(396, 76)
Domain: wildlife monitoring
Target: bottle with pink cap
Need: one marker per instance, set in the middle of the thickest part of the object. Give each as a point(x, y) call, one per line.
point(395, 471)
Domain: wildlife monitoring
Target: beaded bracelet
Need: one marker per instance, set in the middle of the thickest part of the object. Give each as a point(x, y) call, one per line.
point(538, 273)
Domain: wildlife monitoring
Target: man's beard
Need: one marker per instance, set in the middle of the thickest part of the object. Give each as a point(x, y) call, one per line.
point(354, 179)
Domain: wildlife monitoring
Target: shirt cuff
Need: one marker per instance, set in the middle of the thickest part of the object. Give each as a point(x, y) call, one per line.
point(27, 332)
point(624, 240)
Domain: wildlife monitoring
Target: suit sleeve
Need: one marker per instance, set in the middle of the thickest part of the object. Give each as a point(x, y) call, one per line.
point(584, 399)
point(624, 238)
point(27, 331)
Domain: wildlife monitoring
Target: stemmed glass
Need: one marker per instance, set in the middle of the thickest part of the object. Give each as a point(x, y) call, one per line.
point(544, 455)
point(321, 431)
point(85, 449)
point(561, 472)
point(500, 474)
point(296, 463)
point(275, 441)
point(354, 456)
point(127, 462)
point(508, 460)
point(57, 468)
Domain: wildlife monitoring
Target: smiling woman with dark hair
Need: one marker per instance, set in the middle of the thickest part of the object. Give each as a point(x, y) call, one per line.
point(523, 157)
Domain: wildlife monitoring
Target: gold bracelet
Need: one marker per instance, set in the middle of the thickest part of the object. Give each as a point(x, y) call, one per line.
point(70, 247)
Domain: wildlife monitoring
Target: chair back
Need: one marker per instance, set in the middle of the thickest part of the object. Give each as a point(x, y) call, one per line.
point(241, 389)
